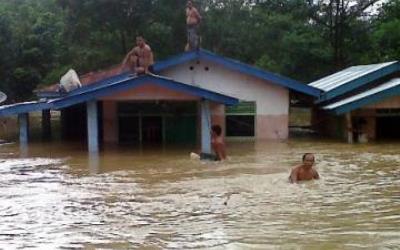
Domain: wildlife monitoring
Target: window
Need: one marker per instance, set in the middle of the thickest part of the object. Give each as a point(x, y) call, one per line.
point(240, 120)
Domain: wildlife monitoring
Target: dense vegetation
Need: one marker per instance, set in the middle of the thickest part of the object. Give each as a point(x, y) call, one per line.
point(302, 39)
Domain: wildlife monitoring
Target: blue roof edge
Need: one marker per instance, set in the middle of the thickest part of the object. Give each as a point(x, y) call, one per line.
point(356, 83)
point(175, 60)
point(345, 108)
point(260, 73)
point(20, 108)
point(239, 66)
point(103, 90)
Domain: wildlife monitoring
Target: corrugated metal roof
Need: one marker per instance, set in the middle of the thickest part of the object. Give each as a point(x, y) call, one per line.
point(386, 86)
point(347, 75)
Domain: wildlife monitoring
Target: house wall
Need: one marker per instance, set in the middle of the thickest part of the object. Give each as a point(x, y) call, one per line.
point(329, 125)
point(272, 101)
point(335, 126)
point(146, 92)
point(149, 92)
point(369, 127)
point(368, 114)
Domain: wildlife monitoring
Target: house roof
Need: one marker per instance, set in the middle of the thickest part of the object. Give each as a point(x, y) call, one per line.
point(111, 86)
point(86, 79)
point(197, 55)
point(381, 92)
point(237, 66)
point(352, 78)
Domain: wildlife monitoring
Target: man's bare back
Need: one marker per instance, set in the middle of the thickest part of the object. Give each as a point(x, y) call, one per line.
point(217, 142)
point(305, 171)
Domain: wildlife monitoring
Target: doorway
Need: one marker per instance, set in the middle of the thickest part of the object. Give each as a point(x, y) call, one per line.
point(151, 129)
point(387, 128)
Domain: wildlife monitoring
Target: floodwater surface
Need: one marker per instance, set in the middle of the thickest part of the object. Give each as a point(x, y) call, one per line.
point(54, 196)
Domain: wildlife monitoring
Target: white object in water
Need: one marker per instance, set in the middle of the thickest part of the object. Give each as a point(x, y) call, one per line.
point(363, 138)
point(194, 156)
point(3, 97)
point(70, 81)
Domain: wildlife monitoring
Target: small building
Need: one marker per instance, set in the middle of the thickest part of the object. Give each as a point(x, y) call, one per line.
point(360, 103)
point(190, 92)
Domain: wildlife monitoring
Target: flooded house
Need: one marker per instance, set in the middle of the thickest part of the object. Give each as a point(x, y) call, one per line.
point(178, 104)
point(360, 103)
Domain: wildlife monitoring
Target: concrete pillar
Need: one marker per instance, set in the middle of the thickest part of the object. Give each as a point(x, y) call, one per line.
point(23, 121)
point(205, 127)
point(94, 162)
point(46, 124)
point(349, 128)
point(92, 126)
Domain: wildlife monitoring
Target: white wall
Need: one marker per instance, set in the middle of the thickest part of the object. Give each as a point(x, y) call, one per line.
point(270, 99)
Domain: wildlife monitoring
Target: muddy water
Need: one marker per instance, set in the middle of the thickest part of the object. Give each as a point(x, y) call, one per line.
point(54, 196)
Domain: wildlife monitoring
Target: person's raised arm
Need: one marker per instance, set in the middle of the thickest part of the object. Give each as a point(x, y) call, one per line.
point(126, 58)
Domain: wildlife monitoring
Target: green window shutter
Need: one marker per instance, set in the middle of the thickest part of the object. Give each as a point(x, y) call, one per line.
point(243, 108)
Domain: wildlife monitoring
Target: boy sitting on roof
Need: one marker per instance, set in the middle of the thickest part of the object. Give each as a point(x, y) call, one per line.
point(140, 59)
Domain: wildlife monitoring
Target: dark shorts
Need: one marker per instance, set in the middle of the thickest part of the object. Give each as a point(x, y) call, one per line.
point(193, 37)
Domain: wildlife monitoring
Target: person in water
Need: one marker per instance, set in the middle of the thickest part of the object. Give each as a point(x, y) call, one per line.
point(305, 171)
point(217, 143)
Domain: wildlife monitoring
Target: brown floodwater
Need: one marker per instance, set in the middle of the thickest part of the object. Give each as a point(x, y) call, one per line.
point(54, 196)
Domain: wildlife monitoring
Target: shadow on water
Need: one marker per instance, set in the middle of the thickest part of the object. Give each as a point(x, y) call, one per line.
point(57, 196)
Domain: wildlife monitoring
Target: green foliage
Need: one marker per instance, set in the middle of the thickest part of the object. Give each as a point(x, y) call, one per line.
point(40, 40)
point(386, 35)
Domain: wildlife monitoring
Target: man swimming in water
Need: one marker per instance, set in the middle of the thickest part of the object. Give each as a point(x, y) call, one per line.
point(305, 171)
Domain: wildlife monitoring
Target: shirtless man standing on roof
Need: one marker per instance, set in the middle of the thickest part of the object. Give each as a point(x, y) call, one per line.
point(140, 59)
point(193, 20)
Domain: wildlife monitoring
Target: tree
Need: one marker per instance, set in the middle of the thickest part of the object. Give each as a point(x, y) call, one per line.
point(336, 20)
point(386, 36)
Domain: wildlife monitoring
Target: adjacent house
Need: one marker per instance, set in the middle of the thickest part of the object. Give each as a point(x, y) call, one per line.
point(360, 103)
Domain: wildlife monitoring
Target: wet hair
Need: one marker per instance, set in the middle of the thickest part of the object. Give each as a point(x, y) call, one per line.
point(305, 155)
point(216, 129)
